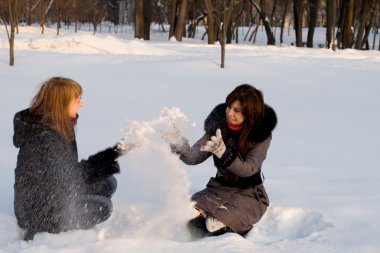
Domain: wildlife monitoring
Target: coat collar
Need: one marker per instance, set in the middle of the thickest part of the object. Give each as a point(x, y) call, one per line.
point(259, 132)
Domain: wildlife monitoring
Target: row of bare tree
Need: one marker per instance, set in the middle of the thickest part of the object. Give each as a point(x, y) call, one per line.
point(348, 22)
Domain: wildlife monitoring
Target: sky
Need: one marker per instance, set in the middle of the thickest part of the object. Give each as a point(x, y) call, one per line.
point(321, 171)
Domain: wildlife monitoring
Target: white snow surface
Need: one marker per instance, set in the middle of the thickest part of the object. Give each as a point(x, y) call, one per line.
point(322, 169)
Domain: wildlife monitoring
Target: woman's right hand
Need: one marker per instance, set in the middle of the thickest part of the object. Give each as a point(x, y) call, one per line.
point(173, 136)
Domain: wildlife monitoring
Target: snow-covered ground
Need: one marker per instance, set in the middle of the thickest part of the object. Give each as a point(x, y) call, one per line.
point(322, 170)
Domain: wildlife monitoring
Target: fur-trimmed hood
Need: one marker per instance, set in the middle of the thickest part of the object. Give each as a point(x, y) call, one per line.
point(259, 132)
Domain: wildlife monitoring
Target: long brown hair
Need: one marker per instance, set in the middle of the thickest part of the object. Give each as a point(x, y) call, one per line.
point(52, 104)
point(252, 107)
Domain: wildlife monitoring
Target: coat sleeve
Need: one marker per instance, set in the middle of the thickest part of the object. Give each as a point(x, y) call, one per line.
point(252, 162)
point(193, 155)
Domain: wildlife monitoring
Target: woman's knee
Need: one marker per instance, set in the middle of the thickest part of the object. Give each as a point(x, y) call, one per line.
point(103, 187)
point(112, 183)
point(89, 210)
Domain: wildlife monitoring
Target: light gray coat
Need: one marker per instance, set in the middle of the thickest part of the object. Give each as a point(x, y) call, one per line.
point(236, 195)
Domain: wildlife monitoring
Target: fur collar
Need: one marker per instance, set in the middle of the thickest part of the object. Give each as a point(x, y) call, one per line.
point(259, 132)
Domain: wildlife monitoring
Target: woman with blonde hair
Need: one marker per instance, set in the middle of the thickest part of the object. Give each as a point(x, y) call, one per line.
point(237, 135)
point(53, 191)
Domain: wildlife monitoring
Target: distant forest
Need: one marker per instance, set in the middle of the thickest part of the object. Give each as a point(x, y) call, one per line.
point(348, 23)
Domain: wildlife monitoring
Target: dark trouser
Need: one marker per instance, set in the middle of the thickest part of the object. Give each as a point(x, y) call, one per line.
point(94, 207)
point(85, 210)
point(104, 187)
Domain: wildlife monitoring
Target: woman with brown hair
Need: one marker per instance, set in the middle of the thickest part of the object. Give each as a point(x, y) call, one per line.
point(53, 191)
point(237, 135)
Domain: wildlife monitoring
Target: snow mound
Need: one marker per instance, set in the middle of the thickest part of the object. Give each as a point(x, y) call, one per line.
point(85, 43)
point(280, 224)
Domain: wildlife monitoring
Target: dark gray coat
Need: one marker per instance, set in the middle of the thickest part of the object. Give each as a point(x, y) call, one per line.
point(48, 175)
point(236, 196)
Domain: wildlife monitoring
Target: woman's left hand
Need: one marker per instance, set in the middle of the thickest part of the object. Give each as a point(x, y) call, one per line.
point(215, 145)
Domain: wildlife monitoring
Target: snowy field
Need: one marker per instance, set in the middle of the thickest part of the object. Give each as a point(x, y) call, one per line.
point(322, 170)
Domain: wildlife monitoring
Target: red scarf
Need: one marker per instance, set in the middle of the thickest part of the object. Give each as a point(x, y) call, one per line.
point(234, 127)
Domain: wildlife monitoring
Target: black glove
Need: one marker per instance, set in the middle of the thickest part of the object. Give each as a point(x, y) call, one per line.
point(104, 163)
point(109, 154)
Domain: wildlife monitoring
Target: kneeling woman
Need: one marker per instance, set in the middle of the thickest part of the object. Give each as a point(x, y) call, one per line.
point(53, 191)
point(237, 134)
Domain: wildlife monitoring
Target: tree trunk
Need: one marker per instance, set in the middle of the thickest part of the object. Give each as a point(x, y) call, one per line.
point(376, 31)
point(139, 19)
point(283, 19)
point(28, 13)
point(172, 16)
point(42, 16)
point(211, 34)
point(298, 20)
point(227, 13)
point(58, 16)
point(346, 24)
point(12, 47)
point(14, 12)
point(330, 25)
point(370, 24)
point(313, 14)
point(229, 33)
point(76, 23)
point(266, 23)
point(272, 16)
point(235, 27)
point(363, 16)
point(180, 26)
point(147, 18)
point(95, 25)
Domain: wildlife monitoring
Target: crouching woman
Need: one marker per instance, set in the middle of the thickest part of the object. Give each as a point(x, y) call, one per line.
point(237, 136)
point(53, 191)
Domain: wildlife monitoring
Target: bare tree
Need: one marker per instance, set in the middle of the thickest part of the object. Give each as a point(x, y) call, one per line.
point(238, 17)
point(366, 20)
point(345, 31)
point(160, 13)
point(98, 12)
point(142, 19)
point(196, 16)
point(178, 21)
point(172, 16)
point(313, 16)
point(212, 26)
point(30, 5)
point(283, 19)
point(58, 13)
point(273, 14)
point(370, 24)
point(298, 9)
point(181, 21)
point(330, 24)
point(266, 22)
point(42, 16)
point(228, 8)
point(11, 17)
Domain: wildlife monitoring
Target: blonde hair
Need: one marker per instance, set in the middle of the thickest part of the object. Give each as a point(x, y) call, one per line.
point(52, 104)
